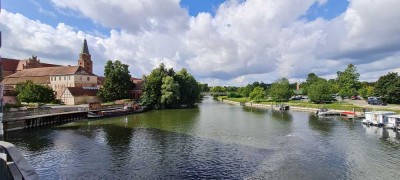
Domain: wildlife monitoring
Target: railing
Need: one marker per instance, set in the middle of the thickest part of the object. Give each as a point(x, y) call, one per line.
point(42, 112)
point(13, 165)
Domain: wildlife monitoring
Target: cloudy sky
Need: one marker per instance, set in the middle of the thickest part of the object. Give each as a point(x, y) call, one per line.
point(231, 42)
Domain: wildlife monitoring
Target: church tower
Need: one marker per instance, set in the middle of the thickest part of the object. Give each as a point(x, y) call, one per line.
point(85, 60)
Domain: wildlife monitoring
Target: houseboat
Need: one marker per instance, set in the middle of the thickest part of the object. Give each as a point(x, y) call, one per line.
point(393, 122)
point(377, 118)
point(115, 112)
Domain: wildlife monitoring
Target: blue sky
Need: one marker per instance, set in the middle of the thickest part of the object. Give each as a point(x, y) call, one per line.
point(265, 41)
point(46, 12)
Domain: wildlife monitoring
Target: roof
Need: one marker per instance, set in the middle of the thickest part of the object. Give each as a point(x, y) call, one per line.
point(16, 64)
point(9, 64)
point(138, 83)
point(37, 80)
point(50, 71)
point(80, 91)
point(85, 49)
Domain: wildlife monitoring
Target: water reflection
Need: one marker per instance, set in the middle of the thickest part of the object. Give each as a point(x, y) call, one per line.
point(284, 116)
point(259, 111)
point(385, 135)
point(322, 125)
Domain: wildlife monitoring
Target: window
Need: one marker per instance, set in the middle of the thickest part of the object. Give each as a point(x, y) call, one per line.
point(69, 77)
point(59, 78)
point(65, 78)
point(88, 78)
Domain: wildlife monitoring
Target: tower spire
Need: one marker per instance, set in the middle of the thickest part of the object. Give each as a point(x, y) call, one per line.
point(85, 49)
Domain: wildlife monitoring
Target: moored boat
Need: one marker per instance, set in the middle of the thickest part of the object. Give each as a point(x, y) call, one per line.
point(393, 122)
point(115, 112)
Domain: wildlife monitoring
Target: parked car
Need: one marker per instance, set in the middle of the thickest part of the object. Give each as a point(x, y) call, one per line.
point(355, 98)
point(376, 101)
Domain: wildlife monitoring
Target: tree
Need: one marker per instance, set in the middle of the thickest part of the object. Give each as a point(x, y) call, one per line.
point(188, 87)
point(164, 88)
point(204, 87)
point(320, 91)
point(170, 92)
point(218, 89)
point(388, 87)
point(117, 82)
point(348, 81)
point(311, 78)
point(152, 87)
point(30, 92)
point(258, 94)
point(280, 90)
point(366, 91)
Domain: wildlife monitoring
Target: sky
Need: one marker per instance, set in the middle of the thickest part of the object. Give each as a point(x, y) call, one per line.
point(220, 42)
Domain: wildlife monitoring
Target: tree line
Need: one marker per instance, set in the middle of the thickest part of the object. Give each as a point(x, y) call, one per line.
point(319, 89)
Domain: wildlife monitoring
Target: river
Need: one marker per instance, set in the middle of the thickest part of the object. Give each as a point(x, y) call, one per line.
point(214, 141)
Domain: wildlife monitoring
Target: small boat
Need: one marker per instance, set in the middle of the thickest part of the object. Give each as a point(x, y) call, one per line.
point(323, 112)
point(114, 112)
point(348, 114)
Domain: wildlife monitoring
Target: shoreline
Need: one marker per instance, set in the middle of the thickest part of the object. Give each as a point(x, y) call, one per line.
point(294, 108)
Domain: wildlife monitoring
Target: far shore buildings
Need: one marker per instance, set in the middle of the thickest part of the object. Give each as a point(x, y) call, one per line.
point(71, 84)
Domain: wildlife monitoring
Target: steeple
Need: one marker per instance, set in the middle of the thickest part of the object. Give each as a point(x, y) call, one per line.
point(85, 49)
point(85, 59)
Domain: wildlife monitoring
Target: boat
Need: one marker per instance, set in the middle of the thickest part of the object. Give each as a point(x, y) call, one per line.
point(348, 114)
point(377, 118)
point(115, 112)
point(323, 112)
point(393, 122)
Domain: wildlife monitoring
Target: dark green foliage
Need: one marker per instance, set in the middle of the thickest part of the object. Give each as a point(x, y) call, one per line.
point(204, 87)
point(234, 95)
point(217, 89)
point(388, 87)
point(117, 82)
point(164, 88)
point(320, 91)
point(280, 90)
point(311, 78)
point(30, 92)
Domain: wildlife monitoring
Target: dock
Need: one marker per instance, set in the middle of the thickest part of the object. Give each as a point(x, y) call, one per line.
point(34, 121)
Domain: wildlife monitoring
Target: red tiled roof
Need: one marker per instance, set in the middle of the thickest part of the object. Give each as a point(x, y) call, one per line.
point(9, 64)
point(80, 91)
point(50, 71)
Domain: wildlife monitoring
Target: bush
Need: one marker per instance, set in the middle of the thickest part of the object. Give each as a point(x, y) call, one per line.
point(234, 95)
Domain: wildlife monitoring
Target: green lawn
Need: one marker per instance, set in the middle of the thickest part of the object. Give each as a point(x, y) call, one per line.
point(306, 104)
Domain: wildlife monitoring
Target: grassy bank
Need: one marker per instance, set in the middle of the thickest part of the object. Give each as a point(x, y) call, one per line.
point(306, 104)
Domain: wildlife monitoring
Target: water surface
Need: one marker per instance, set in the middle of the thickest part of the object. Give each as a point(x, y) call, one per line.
point(213, 141)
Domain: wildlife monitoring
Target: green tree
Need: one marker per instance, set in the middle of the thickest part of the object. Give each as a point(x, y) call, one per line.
point(280, 90)
point(218, 89)
point(30, 92)
point(160, 91)
point(258, 94)
point(366, 91)
point(204, 87)
point(170, 92)
point(152, 87)
point(188, 87)
point(117, 82)
point(388, 87)
point(311, 78)
point(320, 91)
point(348, 81)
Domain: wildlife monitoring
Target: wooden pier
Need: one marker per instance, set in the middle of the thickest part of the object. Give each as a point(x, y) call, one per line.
point(34, 121)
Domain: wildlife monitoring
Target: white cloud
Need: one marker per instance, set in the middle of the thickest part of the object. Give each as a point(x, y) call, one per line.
point(253, 40)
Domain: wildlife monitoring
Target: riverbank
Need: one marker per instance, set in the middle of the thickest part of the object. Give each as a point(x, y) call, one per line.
point(306, 106)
